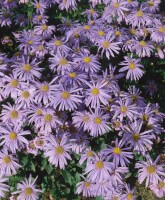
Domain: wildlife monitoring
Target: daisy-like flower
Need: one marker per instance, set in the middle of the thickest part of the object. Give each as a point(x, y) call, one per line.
point(40, 19)
point(27, 189)
point(40, 6)
point(87, 62)
point(119, 154)
point(12, 114)
point(66, 99)
point(85, 187)
point(129, 194)
point(5, 17)
point(60, 63)
point(81, 119)
point(26, 96)
point(139, 18)
point(8, 163)
point(101, 188)
point(44, 91)
point(13, 137)
point(3, 186)
point(99, 170)
point(159, 188)
point(149, 171)
point(133, 66)
point(98, 123)
point(140, 141)
point(44, 30)
point(12, 85)
point(143, 48)
point(124, 108)
point(57, 150)
point(66, 4)
point(96, 94)
point(87, 156)
point(158, 34)
point(26, 69)
point(108, 46)
point(48, 121)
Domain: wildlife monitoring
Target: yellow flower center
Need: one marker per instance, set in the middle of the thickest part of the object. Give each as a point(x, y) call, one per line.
point(161, 29)
point(48, 118)
point(132, 65)
point(136, 136)
point(14, 114)
point(44, 88)
point(72, 75)
point(44, 27)
point(6, 159)
point(63, 61)
point(143, 43)
point(87, 59)
point(40, 142)
point(151, 169)
point(38, 6)
point(123, 109)
point(27, 67)
point(86, 118)
point(132, 31)
point(161, 184)
point(14, 83)
point(76, 35)
point(40, 48)
point(97, 120)
point(30, 42)
point(115, 198)
point(145, 117)
point(86, 27)
point(99, 164)
point(90, 153)
point(28, 191)
point(101, 33)
point(13, 135)
point(117, 150)
point(25, 94)
point(106, 44)
point(129, 196)
point(86, 184)
point(39, 111)
point(139, 13)
point(91, 11)
point(129, 1)
point(59, 150)
point(151, 3)
point(58, 43)
point(117, 33)
point(65, 95)
point(116, 5)
point(95, 91)
point(39, 17)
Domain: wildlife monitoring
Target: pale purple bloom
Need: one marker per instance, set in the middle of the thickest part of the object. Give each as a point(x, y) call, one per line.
point(158, 188)
point(40, 19)
point(40, 6)
point(129, 194)
point(3, 186)
point(57, 150)
point(44, 30)
point(5, 17)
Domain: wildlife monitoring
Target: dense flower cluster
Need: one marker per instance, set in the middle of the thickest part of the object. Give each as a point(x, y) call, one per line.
point(58, 86)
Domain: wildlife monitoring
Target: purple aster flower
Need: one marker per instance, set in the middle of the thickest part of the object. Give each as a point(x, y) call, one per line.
point(134, 95)
point(26, 69)
point(8, 163)
point(98, 123)
point(149, 171)
point(68, 4)
point(85, 187)
point(3, 186)
point(119, 154)
point(44, 30)
point(101, 188)
point(140, 141)
point(133, 66)
point(96, 94)
point(129, 194)
point(41, 50)
point(124, 108)
point(27, 190)
point(87, 62)
point(5, 17)
point(40, 19)
point(139, 17)
point(87, 156)
point(108, 46)
point(12, 114)
point(57, 150)
point(66, 98)
point(158, 33)
point(40, 6)
point(60, 63)
point(13, 137)
point(91, 13)
point(99, 170)
point(159, 188)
